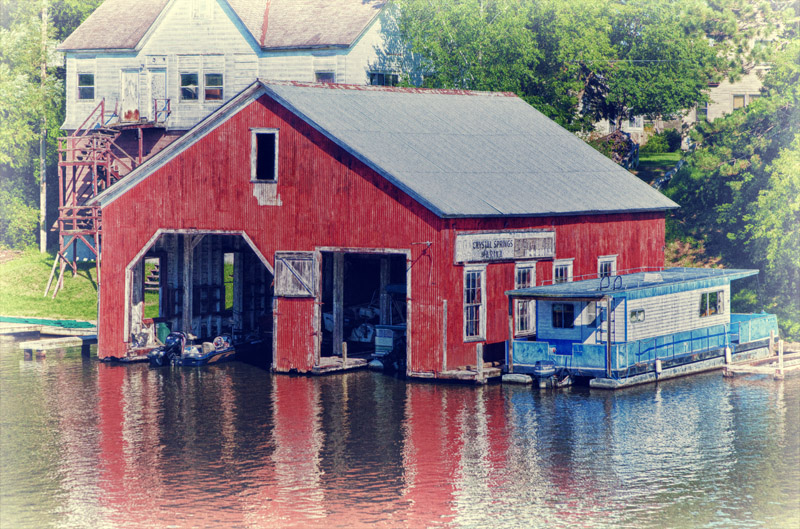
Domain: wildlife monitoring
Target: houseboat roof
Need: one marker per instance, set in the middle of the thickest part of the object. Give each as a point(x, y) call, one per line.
point(273, 24)
point(635, 286)
point(458, 153)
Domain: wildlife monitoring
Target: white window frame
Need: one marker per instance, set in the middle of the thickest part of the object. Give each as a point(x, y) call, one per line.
point(254, 132)
point(393, 76)
point(705, 298)
point(481, 307)
point(206, 86)
point(526, 305)
point(559, 263)
point(607, 259)
point(318, 72)
point(197, 86)
point(79, 86)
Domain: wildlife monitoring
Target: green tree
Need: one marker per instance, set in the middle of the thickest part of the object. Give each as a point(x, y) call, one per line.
point(739, 191)
point(25, 101)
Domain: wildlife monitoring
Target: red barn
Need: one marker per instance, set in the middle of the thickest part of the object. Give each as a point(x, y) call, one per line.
point(390, 219)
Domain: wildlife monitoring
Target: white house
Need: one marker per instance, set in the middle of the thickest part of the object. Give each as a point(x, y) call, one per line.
point(173, 62)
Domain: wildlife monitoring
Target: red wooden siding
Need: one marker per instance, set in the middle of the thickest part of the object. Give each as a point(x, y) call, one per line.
point(330, 199)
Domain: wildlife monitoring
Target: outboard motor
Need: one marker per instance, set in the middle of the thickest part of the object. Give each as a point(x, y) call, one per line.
point(172, 348)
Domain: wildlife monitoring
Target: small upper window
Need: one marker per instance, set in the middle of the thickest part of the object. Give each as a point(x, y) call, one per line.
point(85, 86)
point(264, 156)
point(738, 101)
point(383, 79)
point(636, 316)
point(607, 266)
point(189, 86)
point(711, 303)
point(295, 274)
point(325, 77)
point(562, 271)
point(213, 87)
point(525, 277)
point(563, 315)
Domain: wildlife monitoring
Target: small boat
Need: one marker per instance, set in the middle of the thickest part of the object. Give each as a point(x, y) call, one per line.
point(544, 369)
point(176, 352)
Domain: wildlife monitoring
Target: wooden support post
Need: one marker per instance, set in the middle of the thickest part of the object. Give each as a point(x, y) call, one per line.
point(479, 361)
point(608, 337)
point(386, 316)
point(238, 292)
point(510, 355)
point(779, 371)
point(188, 282)
point(52, 274)
point(344, 354)
point(771, 341)
point(444, 335)
point(338, 303)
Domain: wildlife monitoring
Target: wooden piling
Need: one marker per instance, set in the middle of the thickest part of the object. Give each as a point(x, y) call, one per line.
point(779, 372)
point(479, 361)
point(344, 354)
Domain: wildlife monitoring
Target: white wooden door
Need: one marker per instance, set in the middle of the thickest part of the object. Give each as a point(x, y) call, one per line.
point(129, 96)
point(158, 104)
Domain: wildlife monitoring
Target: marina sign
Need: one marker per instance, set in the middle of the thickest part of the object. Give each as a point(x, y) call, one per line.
point(505, 246)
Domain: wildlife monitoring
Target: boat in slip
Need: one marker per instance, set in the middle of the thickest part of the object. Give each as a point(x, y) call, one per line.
point(175, 351)
point(622, 330)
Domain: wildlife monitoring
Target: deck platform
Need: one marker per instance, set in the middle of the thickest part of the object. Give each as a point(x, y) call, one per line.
point(333, 364)
point(40, 348)
point(770, 366)
point(472, 374)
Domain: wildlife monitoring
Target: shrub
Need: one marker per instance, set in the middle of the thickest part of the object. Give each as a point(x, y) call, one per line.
point(666, 141)
point(18, 222)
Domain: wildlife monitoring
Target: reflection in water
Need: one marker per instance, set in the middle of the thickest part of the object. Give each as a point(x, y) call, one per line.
point(86, 444)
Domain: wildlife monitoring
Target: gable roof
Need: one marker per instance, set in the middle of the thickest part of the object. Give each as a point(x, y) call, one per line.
point(274, 24)
point(458, 153)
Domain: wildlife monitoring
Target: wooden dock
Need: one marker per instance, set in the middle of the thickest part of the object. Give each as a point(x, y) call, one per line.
point(331, 364)
point(40, 348)
point(777, 366)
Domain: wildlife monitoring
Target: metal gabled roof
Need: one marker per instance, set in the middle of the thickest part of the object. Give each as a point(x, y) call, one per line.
point(470, 154)
point(460, 154)
point(636, 285)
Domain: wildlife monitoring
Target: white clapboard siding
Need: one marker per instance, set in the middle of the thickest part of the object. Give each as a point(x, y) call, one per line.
point(217, 43)
point(673, 313)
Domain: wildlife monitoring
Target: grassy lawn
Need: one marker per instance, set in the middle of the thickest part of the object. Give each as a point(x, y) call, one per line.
point(652, 166)
point(23, 277)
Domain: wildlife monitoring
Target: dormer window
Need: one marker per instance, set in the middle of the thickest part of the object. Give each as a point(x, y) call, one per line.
point(85, 86)
point(264, 155)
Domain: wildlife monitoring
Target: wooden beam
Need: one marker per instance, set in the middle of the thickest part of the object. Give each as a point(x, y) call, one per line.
point(338, 302)
point(444, 335)
point(386, 308)
point(188, 281)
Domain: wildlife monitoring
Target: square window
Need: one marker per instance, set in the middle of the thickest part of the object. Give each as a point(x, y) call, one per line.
point(189, 85)
point(213, 87)
point(738, 101)
point(264, 156)
point(562, 271)
point(563, 316)
point(607, 266)
point(711, 303)
point(473, 304)
point(295, 274)
point(325, 77)
point(85, 86)
point(636, 316)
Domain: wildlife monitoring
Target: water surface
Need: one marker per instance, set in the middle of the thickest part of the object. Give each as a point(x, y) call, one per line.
point(88, 444)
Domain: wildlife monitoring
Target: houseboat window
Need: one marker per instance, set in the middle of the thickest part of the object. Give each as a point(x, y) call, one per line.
point(702, 112)
point(607, 266)
point(383, 79)
point(264, 156)
point(189, 86)
point(738, 101)
point(711, 303)
point(325, 77)
point(525, 277)
point(563, 315)
point(562, 271)
point(85, 86)
point(294, 274)
point(473, 303)
point(636, 316)
point(213, 88)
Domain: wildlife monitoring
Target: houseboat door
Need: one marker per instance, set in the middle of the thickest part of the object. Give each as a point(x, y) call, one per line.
point(129, 96)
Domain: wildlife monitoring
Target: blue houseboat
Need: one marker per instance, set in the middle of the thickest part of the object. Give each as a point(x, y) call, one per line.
point(631, 329)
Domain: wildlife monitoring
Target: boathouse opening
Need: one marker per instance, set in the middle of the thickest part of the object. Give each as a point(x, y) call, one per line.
point(364, 304)
point(203, 283)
